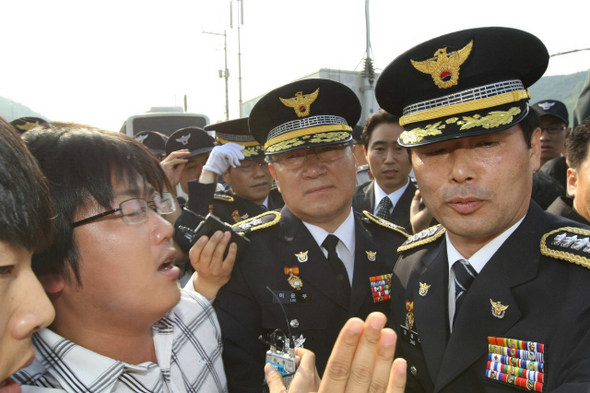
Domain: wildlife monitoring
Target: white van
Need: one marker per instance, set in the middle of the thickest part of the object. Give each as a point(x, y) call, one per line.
point(163, 119)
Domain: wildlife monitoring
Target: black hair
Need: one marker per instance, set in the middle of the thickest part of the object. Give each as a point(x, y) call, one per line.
point(25, 206)
point(576, 144)
point(81, 164)
point(380, 117)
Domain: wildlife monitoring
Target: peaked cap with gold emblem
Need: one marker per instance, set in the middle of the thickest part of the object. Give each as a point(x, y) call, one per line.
point(237, 131)
point(303, 114)
point(463, 84)
point(24, 124)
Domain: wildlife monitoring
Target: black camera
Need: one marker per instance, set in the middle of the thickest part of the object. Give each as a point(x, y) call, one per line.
point(209, 226)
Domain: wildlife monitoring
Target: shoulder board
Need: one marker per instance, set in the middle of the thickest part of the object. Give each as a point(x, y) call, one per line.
point(569, 244)
point(424, 237)
point(384, 223)
point(261, 221)
point(223, 197)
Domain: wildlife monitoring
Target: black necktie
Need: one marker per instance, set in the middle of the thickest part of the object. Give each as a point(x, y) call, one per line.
point(464, 276)
point(384, 208)
point(341, 274)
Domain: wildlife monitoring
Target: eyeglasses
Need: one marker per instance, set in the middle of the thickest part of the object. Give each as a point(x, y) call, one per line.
point(249, 165)
point(553, 129)
point(296, 158)
point(136, 210)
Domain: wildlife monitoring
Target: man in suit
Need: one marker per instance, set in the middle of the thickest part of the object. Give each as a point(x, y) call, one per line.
point(316, 258)
point(239, 158)
point(390, 193)
point(496, 298)
point(578, 206)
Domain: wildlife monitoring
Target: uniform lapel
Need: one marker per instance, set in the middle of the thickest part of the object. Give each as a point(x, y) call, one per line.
point(401, 211)
point(431, 310)
point(364, 268)
point(512, 265)
point(315, 270)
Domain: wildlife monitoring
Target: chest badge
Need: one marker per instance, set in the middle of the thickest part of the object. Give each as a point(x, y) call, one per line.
point(498, 309)
point(236, 216)
point(409, 314)
point(302, 256)
point(371, 255)
point(293, 277)
point(423, 289)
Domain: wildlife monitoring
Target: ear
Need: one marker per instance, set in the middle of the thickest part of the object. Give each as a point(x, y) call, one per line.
point(52, 283)
point(572, 182)
point(274, 176)
point(365, 151)
point(226, 177)
point(535, 151)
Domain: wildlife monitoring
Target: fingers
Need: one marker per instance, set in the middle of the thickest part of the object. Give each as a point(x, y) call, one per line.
point(338, 368)
point(397, 379)
point(306, 378)
point(274, 379)
point(361, 374)
point(383, 361)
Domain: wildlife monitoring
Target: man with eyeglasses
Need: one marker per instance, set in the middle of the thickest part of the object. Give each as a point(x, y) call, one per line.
point(122, 323)
point(554, 131)
point(239, 158)
point(316, 258)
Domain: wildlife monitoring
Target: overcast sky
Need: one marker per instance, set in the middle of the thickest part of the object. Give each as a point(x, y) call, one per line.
point(99, 62)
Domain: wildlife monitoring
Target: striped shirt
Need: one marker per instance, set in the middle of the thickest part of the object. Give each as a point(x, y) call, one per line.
point(188, 348)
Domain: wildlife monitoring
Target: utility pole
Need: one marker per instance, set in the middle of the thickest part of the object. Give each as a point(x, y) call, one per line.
point(240, 22)
point(224, 73)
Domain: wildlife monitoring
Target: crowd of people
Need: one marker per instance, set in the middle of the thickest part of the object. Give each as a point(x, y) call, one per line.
point(443, 246)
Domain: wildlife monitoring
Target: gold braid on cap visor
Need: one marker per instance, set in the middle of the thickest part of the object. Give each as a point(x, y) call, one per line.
point(335, 133)
point(465, 107)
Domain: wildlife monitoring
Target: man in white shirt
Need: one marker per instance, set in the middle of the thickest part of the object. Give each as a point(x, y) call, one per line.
point(122, 323)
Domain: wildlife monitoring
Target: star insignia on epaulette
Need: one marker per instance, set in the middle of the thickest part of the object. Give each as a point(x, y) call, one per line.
point(223, 197)
point(384, 223)
point(261, 221)
point(426, 236)
point(569, 244)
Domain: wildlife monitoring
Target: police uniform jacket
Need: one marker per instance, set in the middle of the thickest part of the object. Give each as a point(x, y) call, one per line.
point(246, 309)
point(364, 199)
point(226, 206)
point(547, 302)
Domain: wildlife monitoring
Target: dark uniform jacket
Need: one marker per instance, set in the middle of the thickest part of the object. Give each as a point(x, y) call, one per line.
point(364, 199)
point(226, 206)
point(542, 299)
point(564, 206)
point(246, 309)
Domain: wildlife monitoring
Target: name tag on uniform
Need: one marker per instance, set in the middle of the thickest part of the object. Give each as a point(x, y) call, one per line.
point(287, 297)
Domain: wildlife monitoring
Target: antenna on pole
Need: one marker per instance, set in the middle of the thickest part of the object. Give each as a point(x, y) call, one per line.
point(368, 73)
point(240, 11)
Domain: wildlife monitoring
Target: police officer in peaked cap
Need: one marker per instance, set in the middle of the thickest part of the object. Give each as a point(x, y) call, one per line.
point(191, 147)
point(239, 158)
point(153, 140)
point(495, 299)
point(321, 261)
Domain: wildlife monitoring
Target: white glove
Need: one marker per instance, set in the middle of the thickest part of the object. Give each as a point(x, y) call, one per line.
point(224, 156)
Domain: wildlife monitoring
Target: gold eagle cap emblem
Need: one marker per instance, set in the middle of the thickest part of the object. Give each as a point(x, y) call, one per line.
point(301, 102)
point(302, 256)
point(371, 255)
point(423, 289)
point(498, 310)
point(27, 126)
point(443, 67)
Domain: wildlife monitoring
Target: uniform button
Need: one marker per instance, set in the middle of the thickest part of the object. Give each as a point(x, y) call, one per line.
point(294, 323)
point(413, 370)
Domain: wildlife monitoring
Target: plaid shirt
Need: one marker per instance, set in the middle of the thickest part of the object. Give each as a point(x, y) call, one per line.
point(188, 347)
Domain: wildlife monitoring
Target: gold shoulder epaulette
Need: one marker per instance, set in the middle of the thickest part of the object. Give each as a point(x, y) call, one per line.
point(223, 197)
point(569, 244)
point(424, 237)
point(261, 221)
point(385, 223)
